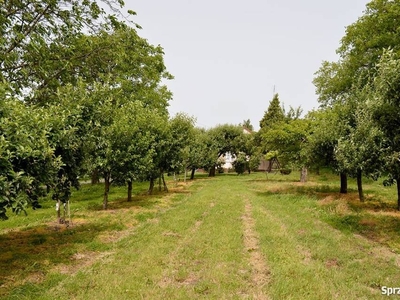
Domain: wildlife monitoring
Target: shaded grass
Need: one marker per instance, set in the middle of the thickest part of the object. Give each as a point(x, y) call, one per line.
point(311, 260)
point(32, 246)
point(376, 219)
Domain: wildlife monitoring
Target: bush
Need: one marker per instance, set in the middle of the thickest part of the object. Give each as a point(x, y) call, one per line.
point(241, 164)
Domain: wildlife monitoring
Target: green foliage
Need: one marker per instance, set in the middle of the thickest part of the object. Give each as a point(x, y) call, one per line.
point(384, 103)
point(89, 85)
point(355, 86)
point(286, 140)
point(241, 163)
point(247, 125)
point(274, 113)
point(27, 159)
point(38, 40)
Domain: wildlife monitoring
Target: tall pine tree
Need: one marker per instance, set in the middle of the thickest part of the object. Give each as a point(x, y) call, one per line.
point(274, 113)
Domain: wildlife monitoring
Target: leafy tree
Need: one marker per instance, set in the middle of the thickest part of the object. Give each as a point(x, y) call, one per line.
point(287, 139)
point(173, 155)
point(383, 103)
point(36, 39)
point(200, 155)
point(81, 70)
point(360, 50)
point(27, 160)
point(358, 150)
point(224, 139)
point(327, 127)
point(339, 83)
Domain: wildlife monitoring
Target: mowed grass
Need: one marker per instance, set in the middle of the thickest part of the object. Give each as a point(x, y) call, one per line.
point(229, 237)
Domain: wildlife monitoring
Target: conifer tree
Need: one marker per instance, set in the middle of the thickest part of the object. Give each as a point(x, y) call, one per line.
point(274, 113)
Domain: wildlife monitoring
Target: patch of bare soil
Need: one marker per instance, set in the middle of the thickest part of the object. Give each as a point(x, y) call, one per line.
point(260, 271)
point(80, 261)
point(306, 253)
point(327, 200)
point(395, 214)
point(332, 263)
point(307, 183)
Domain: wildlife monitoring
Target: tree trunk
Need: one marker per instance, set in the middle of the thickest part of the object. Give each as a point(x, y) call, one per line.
point(151, 187)
point(343, 183)
point(317, 171)
point(303, 174)
point(58, 209)
point(192, 174)
point(165, 185)
point(95, 177)
point(212, 172)
point(130, 190)
point(106, 189)
point(359, 185)
point(398, 193)
point(159, 181)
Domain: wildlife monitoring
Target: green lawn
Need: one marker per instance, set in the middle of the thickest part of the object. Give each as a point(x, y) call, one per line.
point(229, 237)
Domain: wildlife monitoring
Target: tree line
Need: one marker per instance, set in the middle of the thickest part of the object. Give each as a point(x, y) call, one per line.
point(82, 93)
point(356, 129)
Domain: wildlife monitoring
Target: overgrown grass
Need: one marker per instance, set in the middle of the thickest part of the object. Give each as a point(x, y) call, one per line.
point(304, 241)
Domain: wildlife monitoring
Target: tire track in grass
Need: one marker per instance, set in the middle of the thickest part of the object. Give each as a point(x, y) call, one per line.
point(260, 272)
point(172, 266)
point(303, 251)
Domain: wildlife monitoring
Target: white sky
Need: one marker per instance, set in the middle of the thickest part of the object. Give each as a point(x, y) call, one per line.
point(227, 56)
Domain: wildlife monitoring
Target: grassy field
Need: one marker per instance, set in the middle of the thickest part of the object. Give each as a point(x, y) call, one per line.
point(229, 237)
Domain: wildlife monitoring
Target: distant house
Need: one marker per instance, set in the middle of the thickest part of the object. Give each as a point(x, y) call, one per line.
point(265, 165)
point(229, 158)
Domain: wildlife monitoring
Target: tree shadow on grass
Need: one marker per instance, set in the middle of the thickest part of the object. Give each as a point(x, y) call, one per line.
point(35, 250)
point(376, 218)
point(141, 200)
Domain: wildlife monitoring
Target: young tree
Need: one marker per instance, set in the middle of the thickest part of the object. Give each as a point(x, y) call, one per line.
point(172, 156)
point(288, 139)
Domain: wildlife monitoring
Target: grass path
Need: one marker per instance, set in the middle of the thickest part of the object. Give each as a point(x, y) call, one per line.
point(232, 237)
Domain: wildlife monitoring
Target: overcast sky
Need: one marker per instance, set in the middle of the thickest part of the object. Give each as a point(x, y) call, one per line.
point(227, 55)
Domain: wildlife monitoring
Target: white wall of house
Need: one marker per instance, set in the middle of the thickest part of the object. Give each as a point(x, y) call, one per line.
point(229, 159)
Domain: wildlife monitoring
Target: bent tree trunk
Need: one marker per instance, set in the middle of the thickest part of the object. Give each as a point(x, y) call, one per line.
point(130, 190)
point(192, 174)
point(107, 184)
point(163, 180)
point(343, 183)
point(359, 185)
point(303, 174)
